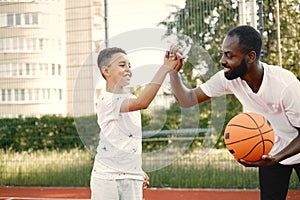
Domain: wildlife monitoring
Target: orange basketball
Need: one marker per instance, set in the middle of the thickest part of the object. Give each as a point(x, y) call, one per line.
point(248, 136)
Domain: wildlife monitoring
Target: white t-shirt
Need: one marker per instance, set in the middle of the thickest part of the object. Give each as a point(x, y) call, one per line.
point(278, 99)
point(120, 146)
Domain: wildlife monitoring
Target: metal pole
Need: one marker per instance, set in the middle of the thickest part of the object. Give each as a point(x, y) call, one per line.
point(261, 27)
point(253, 14)
point(242, 13)
point(106, 23)
point(278, 34)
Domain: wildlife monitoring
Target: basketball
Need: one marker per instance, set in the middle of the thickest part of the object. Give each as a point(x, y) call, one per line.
point(248, 136)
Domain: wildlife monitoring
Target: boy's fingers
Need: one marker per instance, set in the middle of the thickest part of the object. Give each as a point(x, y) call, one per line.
point(167, 54)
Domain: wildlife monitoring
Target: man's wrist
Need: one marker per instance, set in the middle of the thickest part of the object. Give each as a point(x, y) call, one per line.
point(173, 73)
point(166, 67)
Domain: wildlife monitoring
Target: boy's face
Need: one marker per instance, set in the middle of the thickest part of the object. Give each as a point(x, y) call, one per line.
point(118, 72)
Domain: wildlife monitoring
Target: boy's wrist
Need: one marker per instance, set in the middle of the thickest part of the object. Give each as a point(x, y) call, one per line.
point(166, 67)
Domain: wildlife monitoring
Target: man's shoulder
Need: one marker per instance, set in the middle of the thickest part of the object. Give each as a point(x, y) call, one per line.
point(277, 70)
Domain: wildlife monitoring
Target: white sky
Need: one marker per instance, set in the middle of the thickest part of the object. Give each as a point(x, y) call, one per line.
point(126, 15)
point(130, 15)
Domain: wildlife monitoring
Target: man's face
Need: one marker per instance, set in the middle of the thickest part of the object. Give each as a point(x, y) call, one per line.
point(237, 71)
point(233, 60)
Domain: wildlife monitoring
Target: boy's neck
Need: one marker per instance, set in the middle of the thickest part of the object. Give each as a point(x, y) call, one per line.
point(117, 89)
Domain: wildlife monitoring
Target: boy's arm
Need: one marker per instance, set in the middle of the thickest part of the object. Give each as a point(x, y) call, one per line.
point(151, 89)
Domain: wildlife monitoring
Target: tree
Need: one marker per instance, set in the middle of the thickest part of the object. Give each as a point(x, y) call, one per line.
point(290, 34)
point(201, 27)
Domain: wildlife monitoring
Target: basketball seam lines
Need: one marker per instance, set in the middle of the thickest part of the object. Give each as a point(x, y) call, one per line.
point(253, 149)
point(250, 137)
point(262, 138)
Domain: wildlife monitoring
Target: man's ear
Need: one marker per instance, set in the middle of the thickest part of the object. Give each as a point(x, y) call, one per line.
point(251, 57)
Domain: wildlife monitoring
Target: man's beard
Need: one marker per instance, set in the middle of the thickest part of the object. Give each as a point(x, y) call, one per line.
point(238, 71)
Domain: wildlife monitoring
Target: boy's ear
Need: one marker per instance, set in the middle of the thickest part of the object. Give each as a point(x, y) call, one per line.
point(105, 71)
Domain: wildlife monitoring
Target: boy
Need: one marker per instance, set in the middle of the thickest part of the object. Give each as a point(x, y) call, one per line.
point(117, 173)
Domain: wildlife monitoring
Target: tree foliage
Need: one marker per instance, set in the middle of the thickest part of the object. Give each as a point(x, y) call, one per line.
point(289, 12)
point(201, 26)
point(31, 133)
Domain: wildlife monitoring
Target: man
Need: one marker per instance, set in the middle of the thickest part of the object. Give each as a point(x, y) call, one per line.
point(268, 90)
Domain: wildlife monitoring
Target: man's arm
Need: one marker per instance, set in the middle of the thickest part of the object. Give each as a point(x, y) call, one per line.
point(292, 149)
point(186, 97)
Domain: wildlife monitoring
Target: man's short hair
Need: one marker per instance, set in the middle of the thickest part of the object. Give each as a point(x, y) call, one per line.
point(249, 39)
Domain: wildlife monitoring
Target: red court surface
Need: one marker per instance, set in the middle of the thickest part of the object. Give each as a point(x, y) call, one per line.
point(49, 193)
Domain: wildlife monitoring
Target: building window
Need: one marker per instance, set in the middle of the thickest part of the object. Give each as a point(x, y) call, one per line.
point(34, 43)
point(59, 69)
point(48, 94)
point(20, 69)
point(3, 20)
point(3, 95)
point(2, 70)
point(22, 95)
point(30, 94)
point(60, 94)
point(36, 94)
point(15, 44)
point(27, 69)
point(18, 19)
point(10, 19)
point(27, 19)
point(35, 19)
point(31, 44)
point(41, 44)
point(33, 69)
point(16, 95)
point(1, 45)
point(21, 43)
point(7, 45)
point(14, 69)
point(9, 97)
point(44, 94)
point(53, 69)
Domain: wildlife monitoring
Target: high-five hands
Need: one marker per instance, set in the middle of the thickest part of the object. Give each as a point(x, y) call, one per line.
point(174, 59)
point(176, 54)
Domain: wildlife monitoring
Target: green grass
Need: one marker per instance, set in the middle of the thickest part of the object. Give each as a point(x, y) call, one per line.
point(72, 168)
point(46, 168)
point(217, 169)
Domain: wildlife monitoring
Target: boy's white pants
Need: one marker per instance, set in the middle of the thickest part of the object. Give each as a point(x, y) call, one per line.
point(123, 189)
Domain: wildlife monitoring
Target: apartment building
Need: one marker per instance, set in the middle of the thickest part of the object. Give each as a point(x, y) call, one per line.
point(45, 48)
